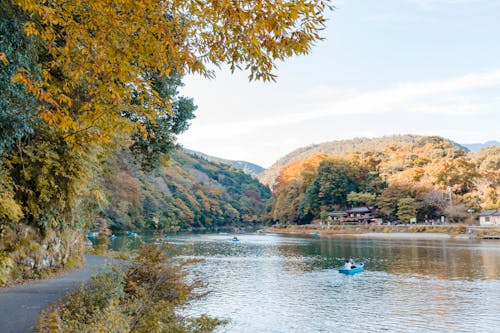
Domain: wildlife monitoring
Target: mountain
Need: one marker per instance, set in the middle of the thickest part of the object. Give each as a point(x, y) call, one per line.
point(247, 167)
point(340, 147)
point(475, 147)
point(186, 191)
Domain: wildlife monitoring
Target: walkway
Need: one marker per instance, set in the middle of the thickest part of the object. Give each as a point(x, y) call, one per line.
point(21, 305)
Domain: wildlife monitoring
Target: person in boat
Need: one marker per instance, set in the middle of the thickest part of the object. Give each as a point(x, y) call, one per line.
point(351, 261)
point(235, 238)
point(347, 264)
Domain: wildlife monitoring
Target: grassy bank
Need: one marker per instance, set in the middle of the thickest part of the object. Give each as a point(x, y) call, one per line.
point(338, 230)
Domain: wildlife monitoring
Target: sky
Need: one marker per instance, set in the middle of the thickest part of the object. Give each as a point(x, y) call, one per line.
point(428, 67)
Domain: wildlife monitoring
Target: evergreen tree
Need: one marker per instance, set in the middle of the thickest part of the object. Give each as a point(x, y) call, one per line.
point(407, 209)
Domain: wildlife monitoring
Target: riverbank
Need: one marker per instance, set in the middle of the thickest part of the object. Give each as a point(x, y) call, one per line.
point(390, 232)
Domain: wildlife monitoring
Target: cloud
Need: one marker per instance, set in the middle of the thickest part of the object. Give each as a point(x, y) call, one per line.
point(440, 97)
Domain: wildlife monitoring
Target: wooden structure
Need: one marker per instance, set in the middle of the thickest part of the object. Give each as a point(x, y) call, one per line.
point(359, 215)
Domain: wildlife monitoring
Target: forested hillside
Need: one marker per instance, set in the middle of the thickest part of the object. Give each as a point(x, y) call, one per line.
point(425, 179)
point(340, 147)
point(183, 192)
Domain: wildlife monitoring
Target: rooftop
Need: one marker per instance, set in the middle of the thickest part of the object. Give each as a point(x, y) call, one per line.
point(490, 213)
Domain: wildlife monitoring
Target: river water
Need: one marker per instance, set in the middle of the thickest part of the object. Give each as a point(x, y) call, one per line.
point(276, 283)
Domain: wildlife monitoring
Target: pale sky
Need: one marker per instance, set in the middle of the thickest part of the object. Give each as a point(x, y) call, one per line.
point(429, 67)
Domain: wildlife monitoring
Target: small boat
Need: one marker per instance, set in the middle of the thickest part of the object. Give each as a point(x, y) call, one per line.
point(132, 233)
point(113, 236)
point(235, 239)
point(93, 235)
point(315, 235)
point(358, 269)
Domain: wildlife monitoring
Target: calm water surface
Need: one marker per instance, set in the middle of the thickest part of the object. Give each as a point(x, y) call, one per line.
point(274, 283)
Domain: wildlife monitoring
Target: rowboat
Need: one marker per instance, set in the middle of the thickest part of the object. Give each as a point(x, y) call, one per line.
point(358, 269)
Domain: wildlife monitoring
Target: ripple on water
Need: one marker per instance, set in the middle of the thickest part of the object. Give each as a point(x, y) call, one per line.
point(274, 285)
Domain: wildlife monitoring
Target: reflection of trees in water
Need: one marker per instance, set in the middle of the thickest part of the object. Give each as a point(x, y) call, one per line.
point(441, 259)
point(491, 264)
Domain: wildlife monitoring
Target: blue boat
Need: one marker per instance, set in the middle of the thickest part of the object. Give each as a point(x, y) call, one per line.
point(358, 269)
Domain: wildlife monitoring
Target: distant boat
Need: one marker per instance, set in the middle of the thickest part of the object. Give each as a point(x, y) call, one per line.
point(315, 235)
point(92, 235)
point(132, 233)
point(113, 236)
point(235, 239)
point(358, 269)
point(160, 240)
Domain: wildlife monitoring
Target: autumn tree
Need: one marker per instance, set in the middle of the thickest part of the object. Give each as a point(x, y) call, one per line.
point(100, 56)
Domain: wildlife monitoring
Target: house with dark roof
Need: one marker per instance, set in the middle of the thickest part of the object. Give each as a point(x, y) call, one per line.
point(359, 215)
point(336, 216)
point(489, 218)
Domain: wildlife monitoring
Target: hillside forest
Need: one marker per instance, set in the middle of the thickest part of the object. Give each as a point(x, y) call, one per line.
point(425, 179)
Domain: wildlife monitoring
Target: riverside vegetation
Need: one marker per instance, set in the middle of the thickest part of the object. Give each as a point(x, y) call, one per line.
point(143, 296)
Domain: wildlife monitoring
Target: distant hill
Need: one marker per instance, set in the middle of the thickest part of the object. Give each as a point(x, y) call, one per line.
point(430, 178)
point(247, 167)
point(475, 147)
point(186, 191)
point(340, 147)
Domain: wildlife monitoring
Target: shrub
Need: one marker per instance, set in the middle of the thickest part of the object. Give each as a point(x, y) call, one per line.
point(142, 297)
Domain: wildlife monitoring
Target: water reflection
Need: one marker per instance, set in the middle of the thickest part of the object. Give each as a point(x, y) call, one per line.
point(274, 283)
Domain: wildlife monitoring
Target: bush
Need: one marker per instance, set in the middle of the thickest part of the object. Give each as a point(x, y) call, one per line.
point(142, 297)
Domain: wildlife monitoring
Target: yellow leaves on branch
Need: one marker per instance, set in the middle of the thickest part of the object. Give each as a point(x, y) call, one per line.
point(100, 50)
point(4, 59)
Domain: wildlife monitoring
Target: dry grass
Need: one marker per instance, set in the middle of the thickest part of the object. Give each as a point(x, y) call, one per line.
point(359, 229)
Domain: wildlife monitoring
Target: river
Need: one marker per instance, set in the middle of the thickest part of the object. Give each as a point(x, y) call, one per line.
point(278, 283)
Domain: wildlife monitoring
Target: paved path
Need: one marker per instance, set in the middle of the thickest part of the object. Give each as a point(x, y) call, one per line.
point(21, 305)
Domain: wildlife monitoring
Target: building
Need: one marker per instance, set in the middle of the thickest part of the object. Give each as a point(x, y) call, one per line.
point(489, 218)
point(336, 216)
point(359, 215)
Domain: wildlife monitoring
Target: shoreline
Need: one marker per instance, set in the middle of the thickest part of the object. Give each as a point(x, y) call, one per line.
point(413, 232)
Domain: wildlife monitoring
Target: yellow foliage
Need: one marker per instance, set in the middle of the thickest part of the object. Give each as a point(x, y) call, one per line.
point(10, 209)
point(102, 52)
point(4, 59)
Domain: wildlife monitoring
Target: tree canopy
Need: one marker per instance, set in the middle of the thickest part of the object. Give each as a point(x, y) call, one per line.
point(98, 57)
